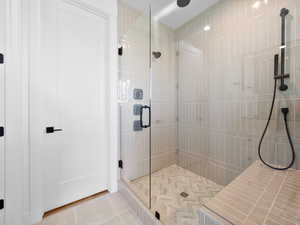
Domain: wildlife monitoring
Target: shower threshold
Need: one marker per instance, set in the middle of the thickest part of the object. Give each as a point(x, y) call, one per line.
point(177, 194)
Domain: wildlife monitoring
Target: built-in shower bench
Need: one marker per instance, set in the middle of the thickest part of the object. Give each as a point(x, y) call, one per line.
point(258, 196)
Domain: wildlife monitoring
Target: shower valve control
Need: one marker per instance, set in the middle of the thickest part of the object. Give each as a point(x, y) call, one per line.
point(138, 94)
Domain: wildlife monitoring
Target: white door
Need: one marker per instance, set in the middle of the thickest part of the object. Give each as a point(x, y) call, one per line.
point(2, 88)
point(74, 58)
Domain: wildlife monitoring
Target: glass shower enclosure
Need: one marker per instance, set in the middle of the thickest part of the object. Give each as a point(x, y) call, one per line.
point(195, 92)
point(135, 100)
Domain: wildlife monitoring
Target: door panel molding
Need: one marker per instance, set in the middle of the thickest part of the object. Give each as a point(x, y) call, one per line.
point(88, 8)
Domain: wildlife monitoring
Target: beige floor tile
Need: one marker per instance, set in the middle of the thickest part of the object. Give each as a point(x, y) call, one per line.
point(111, 209)
point(94, 211)
point(129, 218)
point(114, 221)
point(65, 217)
point(118, 203)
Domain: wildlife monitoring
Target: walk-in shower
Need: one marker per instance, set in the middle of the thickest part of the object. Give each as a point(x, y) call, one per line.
point(197, 86)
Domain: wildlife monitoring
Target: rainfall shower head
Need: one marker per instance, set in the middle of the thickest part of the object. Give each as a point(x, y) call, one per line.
point(183, 3)
point(156, 55)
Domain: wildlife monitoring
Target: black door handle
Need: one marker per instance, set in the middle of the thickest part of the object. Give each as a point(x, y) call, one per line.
point(50, 130)
point(141, 116)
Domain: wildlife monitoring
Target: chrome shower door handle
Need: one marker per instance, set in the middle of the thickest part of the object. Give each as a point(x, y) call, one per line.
point(141, 116)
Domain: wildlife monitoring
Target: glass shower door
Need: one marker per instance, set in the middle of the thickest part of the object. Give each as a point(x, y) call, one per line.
point(134, 100)
point(164, 119)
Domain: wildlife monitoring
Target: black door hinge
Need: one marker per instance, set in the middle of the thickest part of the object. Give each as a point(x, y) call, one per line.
point(1, 131)
point(120, 50)
point(1, 204)
point(157, 215)
point(1, 58)
point(120, 164)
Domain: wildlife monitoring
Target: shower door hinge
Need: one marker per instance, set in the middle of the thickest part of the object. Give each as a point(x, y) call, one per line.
point(1, 131)
point(120, 164)
point(157, 215)
point(1, 58)
point(1, 204)
point(120, 51)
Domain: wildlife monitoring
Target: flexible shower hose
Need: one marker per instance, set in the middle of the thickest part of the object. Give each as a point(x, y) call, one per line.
point(287, 132)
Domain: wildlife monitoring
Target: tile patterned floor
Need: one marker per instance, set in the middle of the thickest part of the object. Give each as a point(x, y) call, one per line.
point(167, 185)
point(111, 209)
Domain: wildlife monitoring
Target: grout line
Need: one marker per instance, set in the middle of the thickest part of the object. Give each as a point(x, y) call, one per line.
point(75, 216)
point(276, 196)
point(259, 198)
point(219, 215)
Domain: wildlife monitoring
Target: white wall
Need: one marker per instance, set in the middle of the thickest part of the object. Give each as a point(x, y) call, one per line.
point(2, 103)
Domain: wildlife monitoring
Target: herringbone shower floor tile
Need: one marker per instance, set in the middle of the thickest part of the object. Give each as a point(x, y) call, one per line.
point(167, 186)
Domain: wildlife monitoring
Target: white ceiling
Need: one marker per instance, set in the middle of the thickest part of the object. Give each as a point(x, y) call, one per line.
point(168, 13)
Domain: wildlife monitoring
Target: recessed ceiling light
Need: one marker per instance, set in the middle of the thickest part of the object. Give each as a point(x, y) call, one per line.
point(207, 28)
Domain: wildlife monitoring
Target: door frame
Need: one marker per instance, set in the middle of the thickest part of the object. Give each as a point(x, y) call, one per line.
point(2, 105)
point(16, 111)
point(23, 168)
